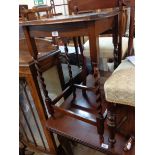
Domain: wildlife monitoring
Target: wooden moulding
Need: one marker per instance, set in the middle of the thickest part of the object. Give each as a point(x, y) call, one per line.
point(86, 134)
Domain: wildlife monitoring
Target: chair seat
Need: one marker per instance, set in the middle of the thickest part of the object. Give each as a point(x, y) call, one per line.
point(106, 47)
point(120, 88)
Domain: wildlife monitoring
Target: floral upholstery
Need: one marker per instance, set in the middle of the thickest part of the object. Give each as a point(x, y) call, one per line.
point(120, 86)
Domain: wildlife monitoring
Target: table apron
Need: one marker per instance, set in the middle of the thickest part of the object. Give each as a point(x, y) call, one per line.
point(71, 29)
point(103, 25)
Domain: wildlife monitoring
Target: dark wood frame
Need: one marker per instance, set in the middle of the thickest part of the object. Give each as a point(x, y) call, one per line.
point(80, 6)
point(67, 27)
point(29, 14)
point(90, 26)
point(112, 107)
point(70, 28)
point(28, 71)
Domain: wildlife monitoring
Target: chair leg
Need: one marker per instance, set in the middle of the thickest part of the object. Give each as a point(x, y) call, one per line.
point(76, 50)
point(84, 68)
point(115, 41)
point(99, 118)
point(111, 122)
point(69, 67)
point(100, 127)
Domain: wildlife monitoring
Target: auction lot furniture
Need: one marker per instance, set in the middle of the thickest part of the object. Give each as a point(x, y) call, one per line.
point(82, 115)
point(106, 47)
point(120, 93)
point(33, 113)
point(90, 24)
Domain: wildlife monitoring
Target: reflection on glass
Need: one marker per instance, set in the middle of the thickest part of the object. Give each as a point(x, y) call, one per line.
point(30, 126)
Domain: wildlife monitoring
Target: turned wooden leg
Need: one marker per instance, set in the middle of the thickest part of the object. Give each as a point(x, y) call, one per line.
point(115, 41)
point(76, 50)
point(84, 68)
point(69, 67)
point(48, 100)
point(99, 118)
point(111, 122)
point(100, 127)
point(66, 145)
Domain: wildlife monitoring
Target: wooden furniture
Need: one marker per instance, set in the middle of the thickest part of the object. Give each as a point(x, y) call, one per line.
point(69, 128)
point(52, 2)
point(30, 89)
point(45, 45)
point(105, 42)
point(34, 13)
point(49, 102)
point(29, 80)
point(89, 5)
point(66, 108)
point(53, 5)
point(91, 25)
point(120, 96)
point(52, 8)
point(20, 9)
point(81, 117)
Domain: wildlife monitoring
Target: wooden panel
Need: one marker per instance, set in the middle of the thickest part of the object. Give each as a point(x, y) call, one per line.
point(73, 18)
point(71, 29)
point(91, 4)
point(42, 45)
point(46, 61)
point(64, 30)
point(103, 25)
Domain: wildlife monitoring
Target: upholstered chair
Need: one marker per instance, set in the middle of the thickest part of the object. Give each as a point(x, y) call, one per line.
point(106, 44)
point(106, 50)
point(119, 91)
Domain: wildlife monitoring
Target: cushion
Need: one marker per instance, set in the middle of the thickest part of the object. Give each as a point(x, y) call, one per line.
point(106, 47)
point(120, 86)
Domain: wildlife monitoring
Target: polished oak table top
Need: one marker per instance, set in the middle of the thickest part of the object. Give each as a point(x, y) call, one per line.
point(98, 14)
point(87, 24)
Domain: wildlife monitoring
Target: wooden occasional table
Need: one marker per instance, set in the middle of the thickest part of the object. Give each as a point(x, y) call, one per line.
point(89, 24)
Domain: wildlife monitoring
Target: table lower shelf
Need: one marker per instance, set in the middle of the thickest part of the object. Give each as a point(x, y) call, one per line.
point(85, 134)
